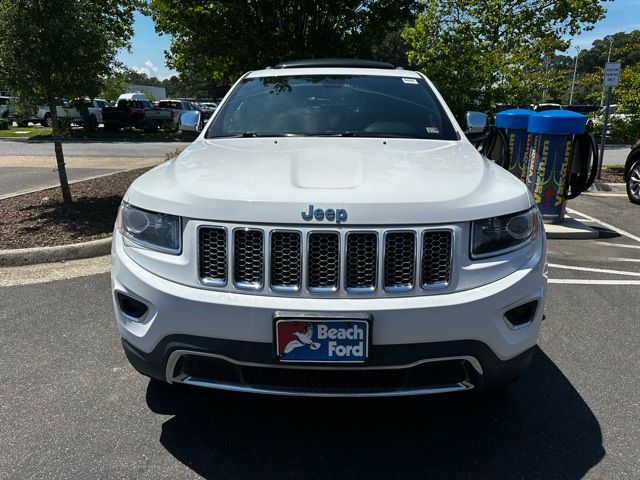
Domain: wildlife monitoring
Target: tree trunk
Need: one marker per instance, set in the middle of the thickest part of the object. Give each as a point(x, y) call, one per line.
point(57, 145)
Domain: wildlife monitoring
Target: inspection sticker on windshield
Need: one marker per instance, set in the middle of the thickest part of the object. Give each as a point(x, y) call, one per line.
point(410, 80)
point(327, 341)
point(433, 130)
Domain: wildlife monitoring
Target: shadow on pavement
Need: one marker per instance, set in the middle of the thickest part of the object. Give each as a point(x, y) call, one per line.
point(542, 429)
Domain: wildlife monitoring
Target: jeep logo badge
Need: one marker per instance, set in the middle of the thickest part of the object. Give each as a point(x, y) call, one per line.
point(338, 215)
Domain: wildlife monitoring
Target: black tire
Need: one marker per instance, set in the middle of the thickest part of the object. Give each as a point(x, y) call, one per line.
point(633, 182)
point(46, 121)
point(150, 127)
point(110, 127)
point(23, 123)
point(91, 125)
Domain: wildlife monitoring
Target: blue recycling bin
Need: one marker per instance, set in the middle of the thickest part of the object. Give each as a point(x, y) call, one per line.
point(514, 124)
point(550, 156)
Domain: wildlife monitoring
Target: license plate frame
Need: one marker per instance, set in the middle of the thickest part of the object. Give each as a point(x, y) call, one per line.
point(304, 353)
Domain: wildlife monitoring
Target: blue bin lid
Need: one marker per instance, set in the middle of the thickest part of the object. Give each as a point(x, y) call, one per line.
point(561, 122)
point(517, 118)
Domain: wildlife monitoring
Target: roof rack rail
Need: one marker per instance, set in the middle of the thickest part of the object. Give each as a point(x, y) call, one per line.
point(334, 62)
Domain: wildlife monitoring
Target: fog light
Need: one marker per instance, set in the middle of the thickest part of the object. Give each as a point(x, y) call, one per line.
point(133, 309)
point(522, 315)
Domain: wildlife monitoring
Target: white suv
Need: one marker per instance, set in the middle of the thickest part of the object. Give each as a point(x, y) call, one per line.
point(330, 232)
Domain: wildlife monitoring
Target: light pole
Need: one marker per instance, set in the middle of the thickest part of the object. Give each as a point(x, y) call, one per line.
point(575, 71)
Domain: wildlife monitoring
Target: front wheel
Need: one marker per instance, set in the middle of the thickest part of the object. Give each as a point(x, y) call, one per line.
point(46, 121)
point(91, 125)
point(149, 127)
point(633, 182)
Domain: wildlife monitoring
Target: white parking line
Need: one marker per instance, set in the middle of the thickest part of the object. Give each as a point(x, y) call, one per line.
point(577, 281)
point(618, 259)
point(598, 270)
point(611, 244)
point(606, 225)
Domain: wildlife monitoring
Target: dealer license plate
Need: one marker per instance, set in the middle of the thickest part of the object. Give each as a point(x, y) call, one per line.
point(327, 341)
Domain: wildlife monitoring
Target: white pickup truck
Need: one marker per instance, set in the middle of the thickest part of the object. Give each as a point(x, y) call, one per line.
point(330, 232)
point(94, 111)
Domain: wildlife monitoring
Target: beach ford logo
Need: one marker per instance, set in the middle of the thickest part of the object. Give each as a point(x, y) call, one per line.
point(337, 215)
point(322, 340)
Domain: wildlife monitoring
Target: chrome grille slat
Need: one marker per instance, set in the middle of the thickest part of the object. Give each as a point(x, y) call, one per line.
point(399, 261)
point(286, 261)
point(248, 258)
point(361, 262)
point(334, 261)
point(323, 262)
point(213, 256)
point(436, 259)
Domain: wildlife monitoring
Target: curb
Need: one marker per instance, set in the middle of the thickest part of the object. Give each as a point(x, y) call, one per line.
point(608, 187)
point(57, 185)
point(59, 253)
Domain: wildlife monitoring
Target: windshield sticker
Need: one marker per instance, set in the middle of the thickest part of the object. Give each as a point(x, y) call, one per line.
point(433, 130)
point(410, 80)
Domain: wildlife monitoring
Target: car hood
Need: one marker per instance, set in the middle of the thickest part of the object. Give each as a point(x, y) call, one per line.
point(378, 182)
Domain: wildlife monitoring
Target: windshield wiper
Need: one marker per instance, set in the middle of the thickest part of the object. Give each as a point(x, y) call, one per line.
point(331, 134)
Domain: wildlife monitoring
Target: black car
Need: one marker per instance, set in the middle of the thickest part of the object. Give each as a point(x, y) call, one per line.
point(632, 173)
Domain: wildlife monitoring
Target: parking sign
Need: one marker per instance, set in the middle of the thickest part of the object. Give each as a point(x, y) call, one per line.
point(612, 74)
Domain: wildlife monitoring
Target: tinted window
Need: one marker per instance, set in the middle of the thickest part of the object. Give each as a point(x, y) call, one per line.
point(357, 105)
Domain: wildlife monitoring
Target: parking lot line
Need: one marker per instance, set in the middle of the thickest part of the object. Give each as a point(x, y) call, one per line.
point(618, 259)
point(578, 281)
point(598, 270)
point(606, 225)
point(611, 244)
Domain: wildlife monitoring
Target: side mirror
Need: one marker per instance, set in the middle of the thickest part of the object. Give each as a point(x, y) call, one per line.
point(190, 121)
point(477, 122)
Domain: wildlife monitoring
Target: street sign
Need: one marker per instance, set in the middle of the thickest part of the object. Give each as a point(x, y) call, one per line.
point(612, 74)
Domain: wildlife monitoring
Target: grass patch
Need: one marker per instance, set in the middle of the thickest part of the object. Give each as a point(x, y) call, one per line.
point(26, 132)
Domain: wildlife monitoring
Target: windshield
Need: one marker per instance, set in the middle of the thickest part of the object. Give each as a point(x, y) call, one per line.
point(340, 105)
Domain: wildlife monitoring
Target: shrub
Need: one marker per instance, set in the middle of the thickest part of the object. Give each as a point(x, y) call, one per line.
point(4, 124)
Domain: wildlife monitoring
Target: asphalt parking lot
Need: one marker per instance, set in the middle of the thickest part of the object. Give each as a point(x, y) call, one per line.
point(72, 407)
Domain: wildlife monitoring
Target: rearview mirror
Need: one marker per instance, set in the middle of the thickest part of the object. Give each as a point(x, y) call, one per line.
point(477, 122)
point(190, 121)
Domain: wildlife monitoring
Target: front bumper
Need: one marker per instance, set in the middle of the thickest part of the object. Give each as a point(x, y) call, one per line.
point(467, 327)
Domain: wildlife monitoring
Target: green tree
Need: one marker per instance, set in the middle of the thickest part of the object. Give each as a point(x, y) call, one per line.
point(480, 52)
point(113, 86)
point(218, 41)
point(625, 48)
point(63, 48)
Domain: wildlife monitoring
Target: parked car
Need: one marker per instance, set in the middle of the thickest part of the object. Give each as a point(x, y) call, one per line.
point(205, 110)
point(543, 107)
point(71, 110)
point(6, 107)
point(632, 173)
point(340, 238)
point(177, 108)
point(137, 114)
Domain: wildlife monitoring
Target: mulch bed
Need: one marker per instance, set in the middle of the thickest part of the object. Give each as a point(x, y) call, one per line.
point(40, 219)
point(612, 175)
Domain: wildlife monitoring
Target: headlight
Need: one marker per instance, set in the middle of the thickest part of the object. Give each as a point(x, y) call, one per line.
point(498, 235)
point(157, 231)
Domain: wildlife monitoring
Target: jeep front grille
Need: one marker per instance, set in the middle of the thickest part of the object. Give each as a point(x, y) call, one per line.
point(324, 261)
point(248, 256)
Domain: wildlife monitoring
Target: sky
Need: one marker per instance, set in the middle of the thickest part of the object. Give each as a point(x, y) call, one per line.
point(147, 47)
